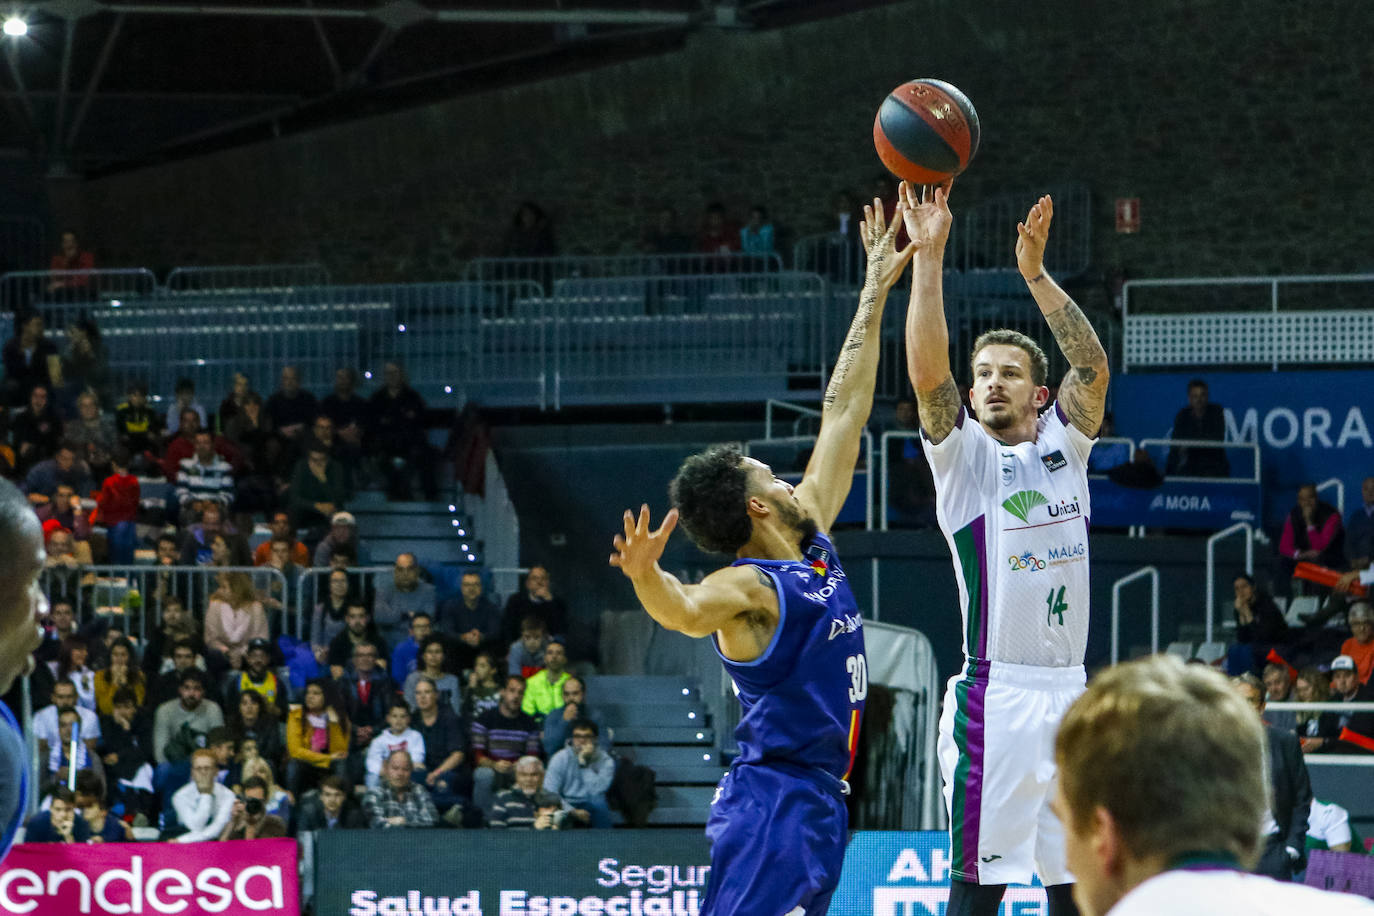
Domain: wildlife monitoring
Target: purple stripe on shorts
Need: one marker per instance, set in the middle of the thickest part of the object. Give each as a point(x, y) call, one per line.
point(973, 787)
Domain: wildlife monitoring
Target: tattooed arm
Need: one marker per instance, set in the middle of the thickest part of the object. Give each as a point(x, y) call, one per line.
point(927, 337)
point(849, 396)
point(1083, 393)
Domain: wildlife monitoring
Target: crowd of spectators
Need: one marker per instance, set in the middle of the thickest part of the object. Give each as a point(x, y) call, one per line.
point(392, 711)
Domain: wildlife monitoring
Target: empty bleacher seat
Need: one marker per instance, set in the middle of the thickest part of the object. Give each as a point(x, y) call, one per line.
point(1212, 653)
point(1181, 650)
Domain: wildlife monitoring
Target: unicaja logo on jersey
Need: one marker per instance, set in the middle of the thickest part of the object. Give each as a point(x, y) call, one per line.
point(1021, 503)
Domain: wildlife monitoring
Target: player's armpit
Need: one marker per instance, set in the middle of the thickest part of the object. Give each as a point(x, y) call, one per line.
point(726, 594)
point(939, 409)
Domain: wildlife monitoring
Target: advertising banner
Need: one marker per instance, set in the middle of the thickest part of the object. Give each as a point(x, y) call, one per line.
point(240, 878)
point(1210, 505)
point(605, 873)
point(1310, 426)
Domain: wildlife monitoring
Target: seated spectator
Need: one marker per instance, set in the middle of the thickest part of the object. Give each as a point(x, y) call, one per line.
point(328, 619)
point(912, 485)
point(277, 799)
point(1359, 528)
point(757, 235)
point(1260, 626)
point(71, 666)
point(235, 618)
point(544, 688)
point(45, 726)
point(251, 432)
point(530, 234)
point(184, 400)
point(116, 507)
point(183, 445)
point(197, 543)
point(232, 405)
point(581, 773)
point(446, 775)
point(1328, 827)
point(253, 719)
point(433, 665)
point(397, 801)
point(29, 358)
point(125, 749)
point(527, 655)
point(281, 528)
point(61, 823)
point(203, 478)
point(1314, 728)
point(558, 723)
point(500, 737)
point(1360, 645)
point(69, 279)
point(137, 426)
point(120, 672)
point(343, 535)
point(60, 624)
point(397, 736)
point(358, 630)
point(204, 806)
point(46, 476)
point(526, 805)
point(66, 511)
point(718, 234)
point(317, 737)
point(1346, 688)
point(331, 808)
point(64, 564)
point(35, 431)
point(1199, 420)
point(406, 655)
point(249, 819)
point(92, 433)
point(474, 620)
point(483, 689)
point(291, 408)
point(63, 757)
point(348, 412)
point(535, 599)
point(398, 436)
point(90, 803)
point(257, 677)
point(318, 488)
point(367, 693)
point(165, 685)
point(181, 725)
point(1278, 688)
point(665, 236)
point(1312, 533)
point(402, 596)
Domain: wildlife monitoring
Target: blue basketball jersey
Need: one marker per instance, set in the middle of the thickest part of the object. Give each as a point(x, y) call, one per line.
point(14, 779)
point(803, 698)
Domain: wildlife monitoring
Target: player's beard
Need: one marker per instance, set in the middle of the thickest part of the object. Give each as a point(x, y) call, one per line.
point(999, 420)
point(796, 519)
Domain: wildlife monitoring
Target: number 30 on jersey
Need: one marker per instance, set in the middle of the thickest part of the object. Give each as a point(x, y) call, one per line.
point(857, 666)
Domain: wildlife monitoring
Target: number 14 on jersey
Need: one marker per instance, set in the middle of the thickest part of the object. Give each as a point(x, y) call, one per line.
point(1056, 607)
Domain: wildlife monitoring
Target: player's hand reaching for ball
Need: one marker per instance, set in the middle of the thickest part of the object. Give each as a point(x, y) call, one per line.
point(885, 262)
point(638, 549)
point(928, 219)
point(1031, 237)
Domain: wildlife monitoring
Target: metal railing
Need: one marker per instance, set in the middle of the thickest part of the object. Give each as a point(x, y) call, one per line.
point(1248, 531)
point(1152, 573)
point(1238, 321)
point(547, 272)
point(245, 279)
point(1250, 448)
point(312, 586)
point(1334, 483)
point(62, 292)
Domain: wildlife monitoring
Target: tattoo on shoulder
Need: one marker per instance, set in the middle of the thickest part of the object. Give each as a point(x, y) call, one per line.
point(763, 577)
point(939, 409)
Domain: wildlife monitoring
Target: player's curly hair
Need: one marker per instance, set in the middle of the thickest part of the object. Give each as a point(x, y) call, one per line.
point(1039, 365)
point(711, 491)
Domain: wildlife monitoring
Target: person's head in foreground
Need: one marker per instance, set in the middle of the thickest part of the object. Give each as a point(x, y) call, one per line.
point(1158, 763)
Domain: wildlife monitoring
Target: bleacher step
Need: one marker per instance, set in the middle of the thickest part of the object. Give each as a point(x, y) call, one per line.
point(644, 734)
point(607, 688)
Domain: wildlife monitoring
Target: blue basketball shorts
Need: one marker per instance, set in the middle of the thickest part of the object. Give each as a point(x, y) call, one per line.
point(777, 842)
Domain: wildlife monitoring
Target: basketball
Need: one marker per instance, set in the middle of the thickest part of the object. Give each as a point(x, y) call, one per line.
point(926, 131)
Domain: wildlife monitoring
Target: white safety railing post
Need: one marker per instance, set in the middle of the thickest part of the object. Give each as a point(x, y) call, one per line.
point(1152, 573)
point(1334, 483)
point(1237, 528)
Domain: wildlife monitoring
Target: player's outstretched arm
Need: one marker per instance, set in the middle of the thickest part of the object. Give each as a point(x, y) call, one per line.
point(928, 221)
point(696, 610)
point(1083, 393)
point(849, 396)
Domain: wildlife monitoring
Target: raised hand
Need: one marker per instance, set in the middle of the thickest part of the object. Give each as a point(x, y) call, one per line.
point(885, 263)
point(926, 213)
point(638, 549)
point(1031, 237)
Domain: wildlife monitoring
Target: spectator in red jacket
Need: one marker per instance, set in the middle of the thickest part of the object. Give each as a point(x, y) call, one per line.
point(116, 507)
point(183, 445)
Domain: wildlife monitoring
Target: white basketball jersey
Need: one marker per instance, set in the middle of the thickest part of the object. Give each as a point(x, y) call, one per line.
point(1016, 520)
point(1209, 892)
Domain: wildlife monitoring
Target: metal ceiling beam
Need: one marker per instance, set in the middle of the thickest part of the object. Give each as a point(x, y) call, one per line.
point(97, 75)
point(330, 57)
point(517, 17)
point(63, 79)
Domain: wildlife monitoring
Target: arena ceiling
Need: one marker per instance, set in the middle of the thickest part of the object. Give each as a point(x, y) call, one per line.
point(97, 86)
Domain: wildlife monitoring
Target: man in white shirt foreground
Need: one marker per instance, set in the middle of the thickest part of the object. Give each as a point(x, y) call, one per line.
point(1161, 793)
point(203, 805)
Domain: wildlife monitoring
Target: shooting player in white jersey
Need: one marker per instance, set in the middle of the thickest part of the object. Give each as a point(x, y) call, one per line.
point(1012, 500)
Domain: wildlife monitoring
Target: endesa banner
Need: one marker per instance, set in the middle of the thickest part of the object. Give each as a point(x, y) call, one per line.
point(239, 878)
point(606, 873)
point(1310, 426)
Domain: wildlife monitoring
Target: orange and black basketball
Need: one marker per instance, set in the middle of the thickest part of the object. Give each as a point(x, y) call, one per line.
point(926, 131)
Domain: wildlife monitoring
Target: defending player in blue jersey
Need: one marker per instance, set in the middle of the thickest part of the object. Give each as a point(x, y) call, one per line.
point(786, 627)
point(21, 604)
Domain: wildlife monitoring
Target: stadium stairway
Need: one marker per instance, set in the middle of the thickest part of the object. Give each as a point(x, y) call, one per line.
point(437, 533)
point(661, 723)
